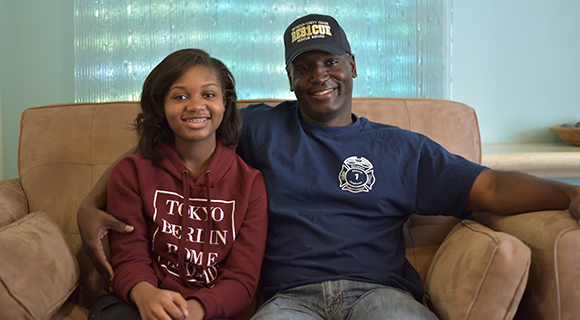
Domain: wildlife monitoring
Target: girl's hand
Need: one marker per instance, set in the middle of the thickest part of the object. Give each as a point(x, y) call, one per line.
point(158, 304)
point(196, 310)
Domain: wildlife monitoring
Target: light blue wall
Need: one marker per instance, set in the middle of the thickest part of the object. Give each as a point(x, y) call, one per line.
point(516, 62)
point(36, 63)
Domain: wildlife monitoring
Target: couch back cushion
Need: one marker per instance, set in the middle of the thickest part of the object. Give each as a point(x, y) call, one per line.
point(65, 148)
point(452, 124)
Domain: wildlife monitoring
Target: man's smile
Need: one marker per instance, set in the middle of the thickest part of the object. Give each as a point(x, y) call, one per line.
point(321, 93)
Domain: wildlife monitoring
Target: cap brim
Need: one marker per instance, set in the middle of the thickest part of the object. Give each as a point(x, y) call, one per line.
point(318, 47)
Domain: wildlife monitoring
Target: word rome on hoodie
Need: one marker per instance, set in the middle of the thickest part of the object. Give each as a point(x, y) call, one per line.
point(192, 258)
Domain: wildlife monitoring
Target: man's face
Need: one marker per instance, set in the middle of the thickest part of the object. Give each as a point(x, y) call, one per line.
point(322, 83)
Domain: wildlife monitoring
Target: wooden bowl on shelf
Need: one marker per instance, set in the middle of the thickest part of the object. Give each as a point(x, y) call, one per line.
point(568, 134)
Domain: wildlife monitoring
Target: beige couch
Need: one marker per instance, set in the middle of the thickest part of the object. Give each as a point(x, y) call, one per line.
point(469, 271)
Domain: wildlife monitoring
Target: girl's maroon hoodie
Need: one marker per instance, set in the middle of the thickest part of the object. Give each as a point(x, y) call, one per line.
point(214, 255)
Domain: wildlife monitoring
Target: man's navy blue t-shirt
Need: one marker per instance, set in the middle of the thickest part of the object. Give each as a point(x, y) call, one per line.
point(339, 196)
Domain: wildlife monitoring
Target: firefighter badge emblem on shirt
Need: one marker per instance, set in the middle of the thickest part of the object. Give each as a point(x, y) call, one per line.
point(357, 175)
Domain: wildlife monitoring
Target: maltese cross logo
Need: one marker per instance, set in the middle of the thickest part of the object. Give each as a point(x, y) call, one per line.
point(357, 175)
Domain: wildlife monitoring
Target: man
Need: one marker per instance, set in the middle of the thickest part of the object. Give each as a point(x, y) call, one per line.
point(335, 251)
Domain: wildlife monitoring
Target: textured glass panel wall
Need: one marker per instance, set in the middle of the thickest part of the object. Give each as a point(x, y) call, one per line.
point(402, 47)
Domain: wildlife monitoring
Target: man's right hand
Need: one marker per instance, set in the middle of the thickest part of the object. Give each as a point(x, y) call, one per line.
point(94, 224)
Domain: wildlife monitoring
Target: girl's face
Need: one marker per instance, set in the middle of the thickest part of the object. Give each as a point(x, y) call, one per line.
point(195, 106)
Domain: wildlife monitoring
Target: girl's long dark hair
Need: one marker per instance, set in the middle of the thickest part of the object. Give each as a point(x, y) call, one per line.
point(152, 126)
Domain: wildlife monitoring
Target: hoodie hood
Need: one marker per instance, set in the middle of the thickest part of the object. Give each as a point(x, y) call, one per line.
point(221, 162)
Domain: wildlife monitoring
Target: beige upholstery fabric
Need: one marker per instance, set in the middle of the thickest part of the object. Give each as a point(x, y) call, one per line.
point(423, 236)
point(13, 204)
point(63, 151)
point(70, 311)
point(478, 274)
point(34, 252)
point(553, 288)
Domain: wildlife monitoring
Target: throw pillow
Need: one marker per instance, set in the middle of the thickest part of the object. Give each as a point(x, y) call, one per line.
point(477, 273)
point(38, 271)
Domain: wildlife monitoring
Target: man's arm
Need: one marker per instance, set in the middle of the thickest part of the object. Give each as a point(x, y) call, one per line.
point(94, 224)
point(507, 193)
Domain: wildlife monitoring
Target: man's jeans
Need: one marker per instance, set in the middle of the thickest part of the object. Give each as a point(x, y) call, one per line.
point(343, 299)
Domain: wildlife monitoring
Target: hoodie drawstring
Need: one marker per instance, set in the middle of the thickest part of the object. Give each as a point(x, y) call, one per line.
point(207, 239)
point(181, 254)
point(184, 229)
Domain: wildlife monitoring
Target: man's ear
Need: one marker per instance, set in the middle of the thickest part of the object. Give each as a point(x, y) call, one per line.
point(290, 79)
point(352, 66)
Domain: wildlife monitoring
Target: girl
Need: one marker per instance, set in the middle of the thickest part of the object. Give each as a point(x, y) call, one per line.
point(199, 212)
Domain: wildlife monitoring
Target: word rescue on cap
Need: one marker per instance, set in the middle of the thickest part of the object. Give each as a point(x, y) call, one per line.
point(310, 29)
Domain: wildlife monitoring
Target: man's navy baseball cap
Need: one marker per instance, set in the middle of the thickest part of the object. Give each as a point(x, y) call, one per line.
point(314, 32)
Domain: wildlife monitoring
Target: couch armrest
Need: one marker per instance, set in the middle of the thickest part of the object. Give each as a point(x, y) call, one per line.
point(477, 274)
point(554, 284)
point(38, 272)
point(13, 202)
